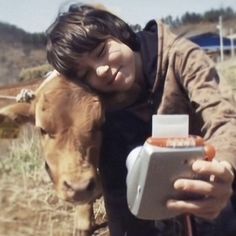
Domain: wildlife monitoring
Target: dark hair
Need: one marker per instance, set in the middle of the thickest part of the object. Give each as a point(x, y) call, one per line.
point(80, 30)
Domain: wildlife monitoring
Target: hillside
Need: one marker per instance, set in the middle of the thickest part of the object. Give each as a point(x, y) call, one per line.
point(19, 50)
point(193, 29)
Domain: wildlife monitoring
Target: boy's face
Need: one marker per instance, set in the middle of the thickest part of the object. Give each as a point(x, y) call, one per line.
point(110, 67)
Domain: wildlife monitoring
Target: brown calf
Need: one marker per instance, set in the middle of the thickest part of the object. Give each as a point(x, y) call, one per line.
point(69, 118)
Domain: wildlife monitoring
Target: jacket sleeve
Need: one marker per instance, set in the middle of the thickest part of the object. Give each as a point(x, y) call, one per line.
point(199, 78)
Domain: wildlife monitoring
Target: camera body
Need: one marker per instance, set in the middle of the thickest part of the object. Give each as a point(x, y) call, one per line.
point(153, 168)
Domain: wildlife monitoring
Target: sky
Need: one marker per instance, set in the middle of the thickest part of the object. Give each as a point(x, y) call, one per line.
point(36, 15)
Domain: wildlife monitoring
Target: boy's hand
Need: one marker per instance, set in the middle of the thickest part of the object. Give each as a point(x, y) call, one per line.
point(217, 190)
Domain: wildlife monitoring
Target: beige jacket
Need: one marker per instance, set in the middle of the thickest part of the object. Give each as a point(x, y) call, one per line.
point(191, 87)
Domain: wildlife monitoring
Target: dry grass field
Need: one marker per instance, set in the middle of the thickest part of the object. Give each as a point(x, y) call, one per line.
point(228, 70)
point(29, 206)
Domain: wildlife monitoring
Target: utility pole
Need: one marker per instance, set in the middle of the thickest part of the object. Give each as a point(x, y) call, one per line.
point(232, 42)
point(220, 27)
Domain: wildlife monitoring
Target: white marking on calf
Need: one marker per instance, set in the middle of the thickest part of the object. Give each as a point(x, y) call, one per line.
point(51, 75)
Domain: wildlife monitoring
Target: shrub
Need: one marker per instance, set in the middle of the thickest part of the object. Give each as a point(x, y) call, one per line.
point(34, 72)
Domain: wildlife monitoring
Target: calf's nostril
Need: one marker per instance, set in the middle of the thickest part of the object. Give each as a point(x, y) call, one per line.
point(67, 186)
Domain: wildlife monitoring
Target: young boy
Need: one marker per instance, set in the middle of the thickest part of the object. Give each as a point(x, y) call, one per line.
point(170, 75)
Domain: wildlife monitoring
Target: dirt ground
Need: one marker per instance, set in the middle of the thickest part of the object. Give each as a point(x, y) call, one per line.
point(4, 147)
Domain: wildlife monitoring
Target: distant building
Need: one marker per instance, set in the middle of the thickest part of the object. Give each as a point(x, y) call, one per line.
point(232, 38)
point(210, 42)
point(207, 36)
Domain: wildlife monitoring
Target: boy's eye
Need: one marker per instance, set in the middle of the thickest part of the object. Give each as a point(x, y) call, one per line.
point(82, 74)
point(101, 50)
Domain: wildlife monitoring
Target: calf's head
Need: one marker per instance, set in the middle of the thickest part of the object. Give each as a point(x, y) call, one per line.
point(69, 118)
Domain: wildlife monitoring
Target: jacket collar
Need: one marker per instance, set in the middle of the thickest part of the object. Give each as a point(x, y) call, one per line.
point(148, 50)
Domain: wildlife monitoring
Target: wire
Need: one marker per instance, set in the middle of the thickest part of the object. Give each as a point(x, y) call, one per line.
point(188, 225)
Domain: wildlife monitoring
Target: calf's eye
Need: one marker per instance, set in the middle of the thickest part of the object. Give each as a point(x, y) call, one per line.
point(42, 131)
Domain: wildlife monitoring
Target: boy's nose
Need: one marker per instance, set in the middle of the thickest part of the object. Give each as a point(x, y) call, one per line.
point(102, 70)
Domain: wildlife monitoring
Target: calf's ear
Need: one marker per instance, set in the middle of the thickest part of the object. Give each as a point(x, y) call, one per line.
point(19, 113)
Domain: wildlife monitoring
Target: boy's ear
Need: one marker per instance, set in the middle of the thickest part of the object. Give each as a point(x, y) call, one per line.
point(18, 114)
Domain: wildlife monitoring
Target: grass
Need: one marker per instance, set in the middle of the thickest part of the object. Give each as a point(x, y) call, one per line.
point(29, 205)
point(24, 155)
point(228, 70)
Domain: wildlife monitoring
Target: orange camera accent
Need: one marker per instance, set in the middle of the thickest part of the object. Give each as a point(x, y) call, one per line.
point(181, 142)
